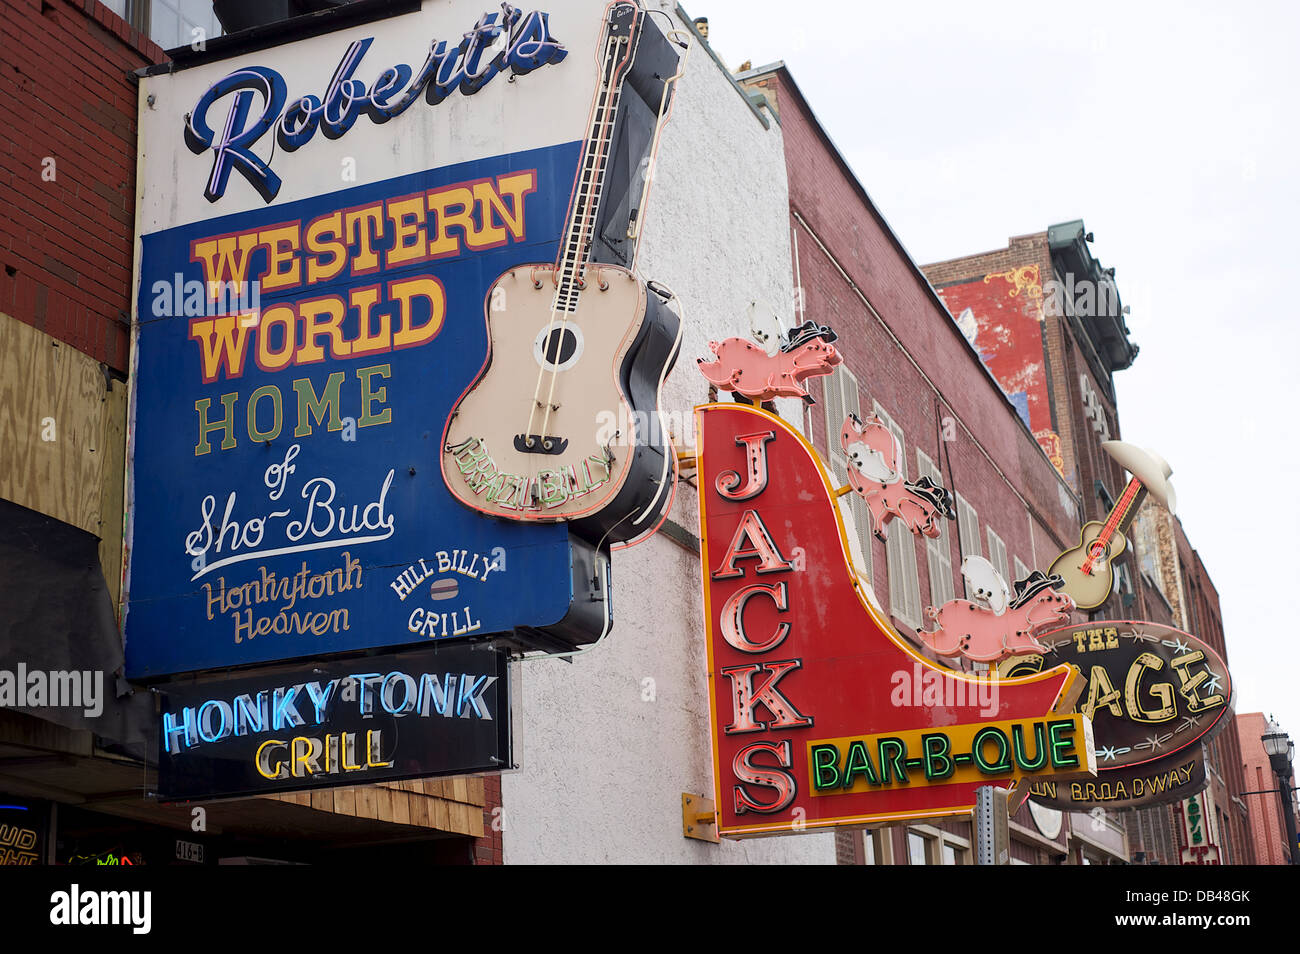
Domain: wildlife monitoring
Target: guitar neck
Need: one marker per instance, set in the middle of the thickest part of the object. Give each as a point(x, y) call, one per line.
point(1119, 519)
point(617, 51)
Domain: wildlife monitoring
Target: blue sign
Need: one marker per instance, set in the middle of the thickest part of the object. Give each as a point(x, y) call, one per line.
point(295, 369)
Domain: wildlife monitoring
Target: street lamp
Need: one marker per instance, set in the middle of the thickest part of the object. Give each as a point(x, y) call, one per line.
point(1281, 751)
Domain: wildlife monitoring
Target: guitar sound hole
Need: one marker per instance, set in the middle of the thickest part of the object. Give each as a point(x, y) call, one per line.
point(559, 348)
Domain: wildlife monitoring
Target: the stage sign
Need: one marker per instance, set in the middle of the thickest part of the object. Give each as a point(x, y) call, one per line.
point(319, 224)
point(1151, 690)
point(444, 711)
point(822, 714)
point(1169, 779)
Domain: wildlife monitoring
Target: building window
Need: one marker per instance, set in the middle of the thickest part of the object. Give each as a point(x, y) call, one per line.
point(840, 390)
point(968, 532)
point(1022, 571)
point(916, 848)
point(950, 856)
point(998, 555)
point(938, 551)
point(904, 586)
point(170, 23)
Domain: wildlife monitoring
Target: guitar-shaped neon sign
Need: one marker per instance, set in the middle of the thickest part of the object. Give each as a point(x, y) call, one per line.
point(1086, 569)
point(595, 342)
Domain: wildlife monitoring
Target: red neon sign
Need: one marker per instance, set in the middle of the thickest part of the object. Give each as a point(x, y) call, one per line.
point(800, 663)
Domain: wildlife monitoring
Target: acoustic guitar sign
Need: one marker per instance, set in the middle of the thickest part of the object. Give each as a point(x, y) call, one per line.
point(822, 714)
point(320, 225)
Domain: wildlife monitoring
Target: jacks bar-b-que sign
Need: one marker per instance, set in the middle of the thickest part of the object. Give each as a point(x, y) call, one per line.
point(436, 712)
point(810, 729)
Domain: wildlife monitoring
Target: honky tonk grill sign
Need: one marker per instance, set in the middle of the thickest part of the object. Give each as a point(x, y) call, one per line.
point(808, 731)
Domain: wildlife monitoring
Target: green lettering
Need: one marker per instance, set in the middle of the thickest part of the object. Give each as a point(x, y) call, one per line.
point(369, 393)
point(936, 754)
point(896, 759)
point(309, 407)
point(826, 758)
point(1059, 732)
point(1018, 747)
point(858, 762)
point(1002, 764)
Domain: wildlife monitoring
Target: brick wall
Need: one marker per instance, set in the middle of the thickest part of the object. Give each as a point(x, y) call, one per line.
point(914, 361)
point(487, 849)
point(67, 169)
point(1084, 463)
point(1267, 828)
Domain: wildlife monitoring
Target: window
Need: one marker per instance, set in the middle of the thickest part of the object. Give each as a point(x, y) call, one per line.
point(916, 845)
point(938, 551)
point(1022, 571)
point(968, 531)
point(949, 854)
point(840, 390)
point(998, 555)
point(170, 23)
point(900, 550)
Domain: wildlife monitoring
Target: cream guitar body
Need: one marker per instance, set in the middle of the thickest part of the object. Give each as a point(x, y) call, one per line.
point(1090, 586)
point(591, 450)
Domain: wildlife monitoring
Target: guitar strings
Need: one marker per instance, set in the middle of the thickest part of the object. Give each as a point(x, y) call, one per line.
point(604, 121)
point(564, 254)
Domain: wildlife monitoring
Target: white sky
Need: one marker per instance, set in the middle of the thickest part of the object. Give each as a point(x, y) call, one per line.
point(1170, 129)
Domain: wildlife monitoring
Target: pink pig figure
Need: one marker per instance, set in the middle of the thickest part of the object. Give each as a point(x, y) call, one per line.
point(744, 368)
point(987, 634)
point(875, 474)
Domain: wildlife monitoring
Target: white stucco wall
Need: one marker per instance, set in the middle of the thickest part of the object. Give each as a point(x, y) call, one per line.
point(603, 766)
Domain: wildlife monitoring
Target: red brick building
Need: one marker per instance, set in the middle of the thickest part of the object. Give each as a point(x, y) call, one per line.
point(906, 361)
point(1047, 320)
point(1268, 831)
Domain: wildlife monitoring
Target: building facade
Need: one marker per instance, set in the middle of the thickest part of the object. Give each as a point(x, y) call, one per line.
point(908, 363)
point(1269, 831)
point(1047, 320)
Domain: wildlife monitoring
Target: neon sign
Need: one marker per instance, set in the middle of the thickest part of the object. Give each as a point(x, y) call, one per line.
point(513, 40)
point(385, 718)
point(810, 729)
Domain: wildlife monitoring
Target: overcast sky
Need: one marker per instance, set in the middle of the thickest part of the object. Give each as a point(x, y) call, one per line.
point(1170, 130)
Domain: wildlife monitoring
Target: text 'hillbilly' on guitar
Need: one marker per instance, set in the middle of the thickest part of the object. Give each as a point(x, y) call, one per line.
point(575, 342)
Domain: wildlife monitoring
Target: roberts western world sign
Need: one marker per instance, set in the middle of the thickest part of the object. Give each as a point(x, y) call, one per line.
point(319, 225)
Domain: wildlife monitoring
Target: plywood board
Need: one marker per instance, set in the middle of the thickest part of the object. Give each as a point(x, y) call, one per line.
point(52, 405)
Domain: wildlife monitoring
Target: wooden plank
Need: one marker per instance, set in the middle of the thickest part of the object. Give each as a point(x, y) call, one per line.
point(459, 789)
point(322, 800)
point(476, 789)
point(438, 814)
point(420, 811)
point(460, 817)
point(366, 807)
point(345, 801)
point(475, 821)
point(402, 807)
point(383, 804)
point(112, 488)
point(51, 426)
